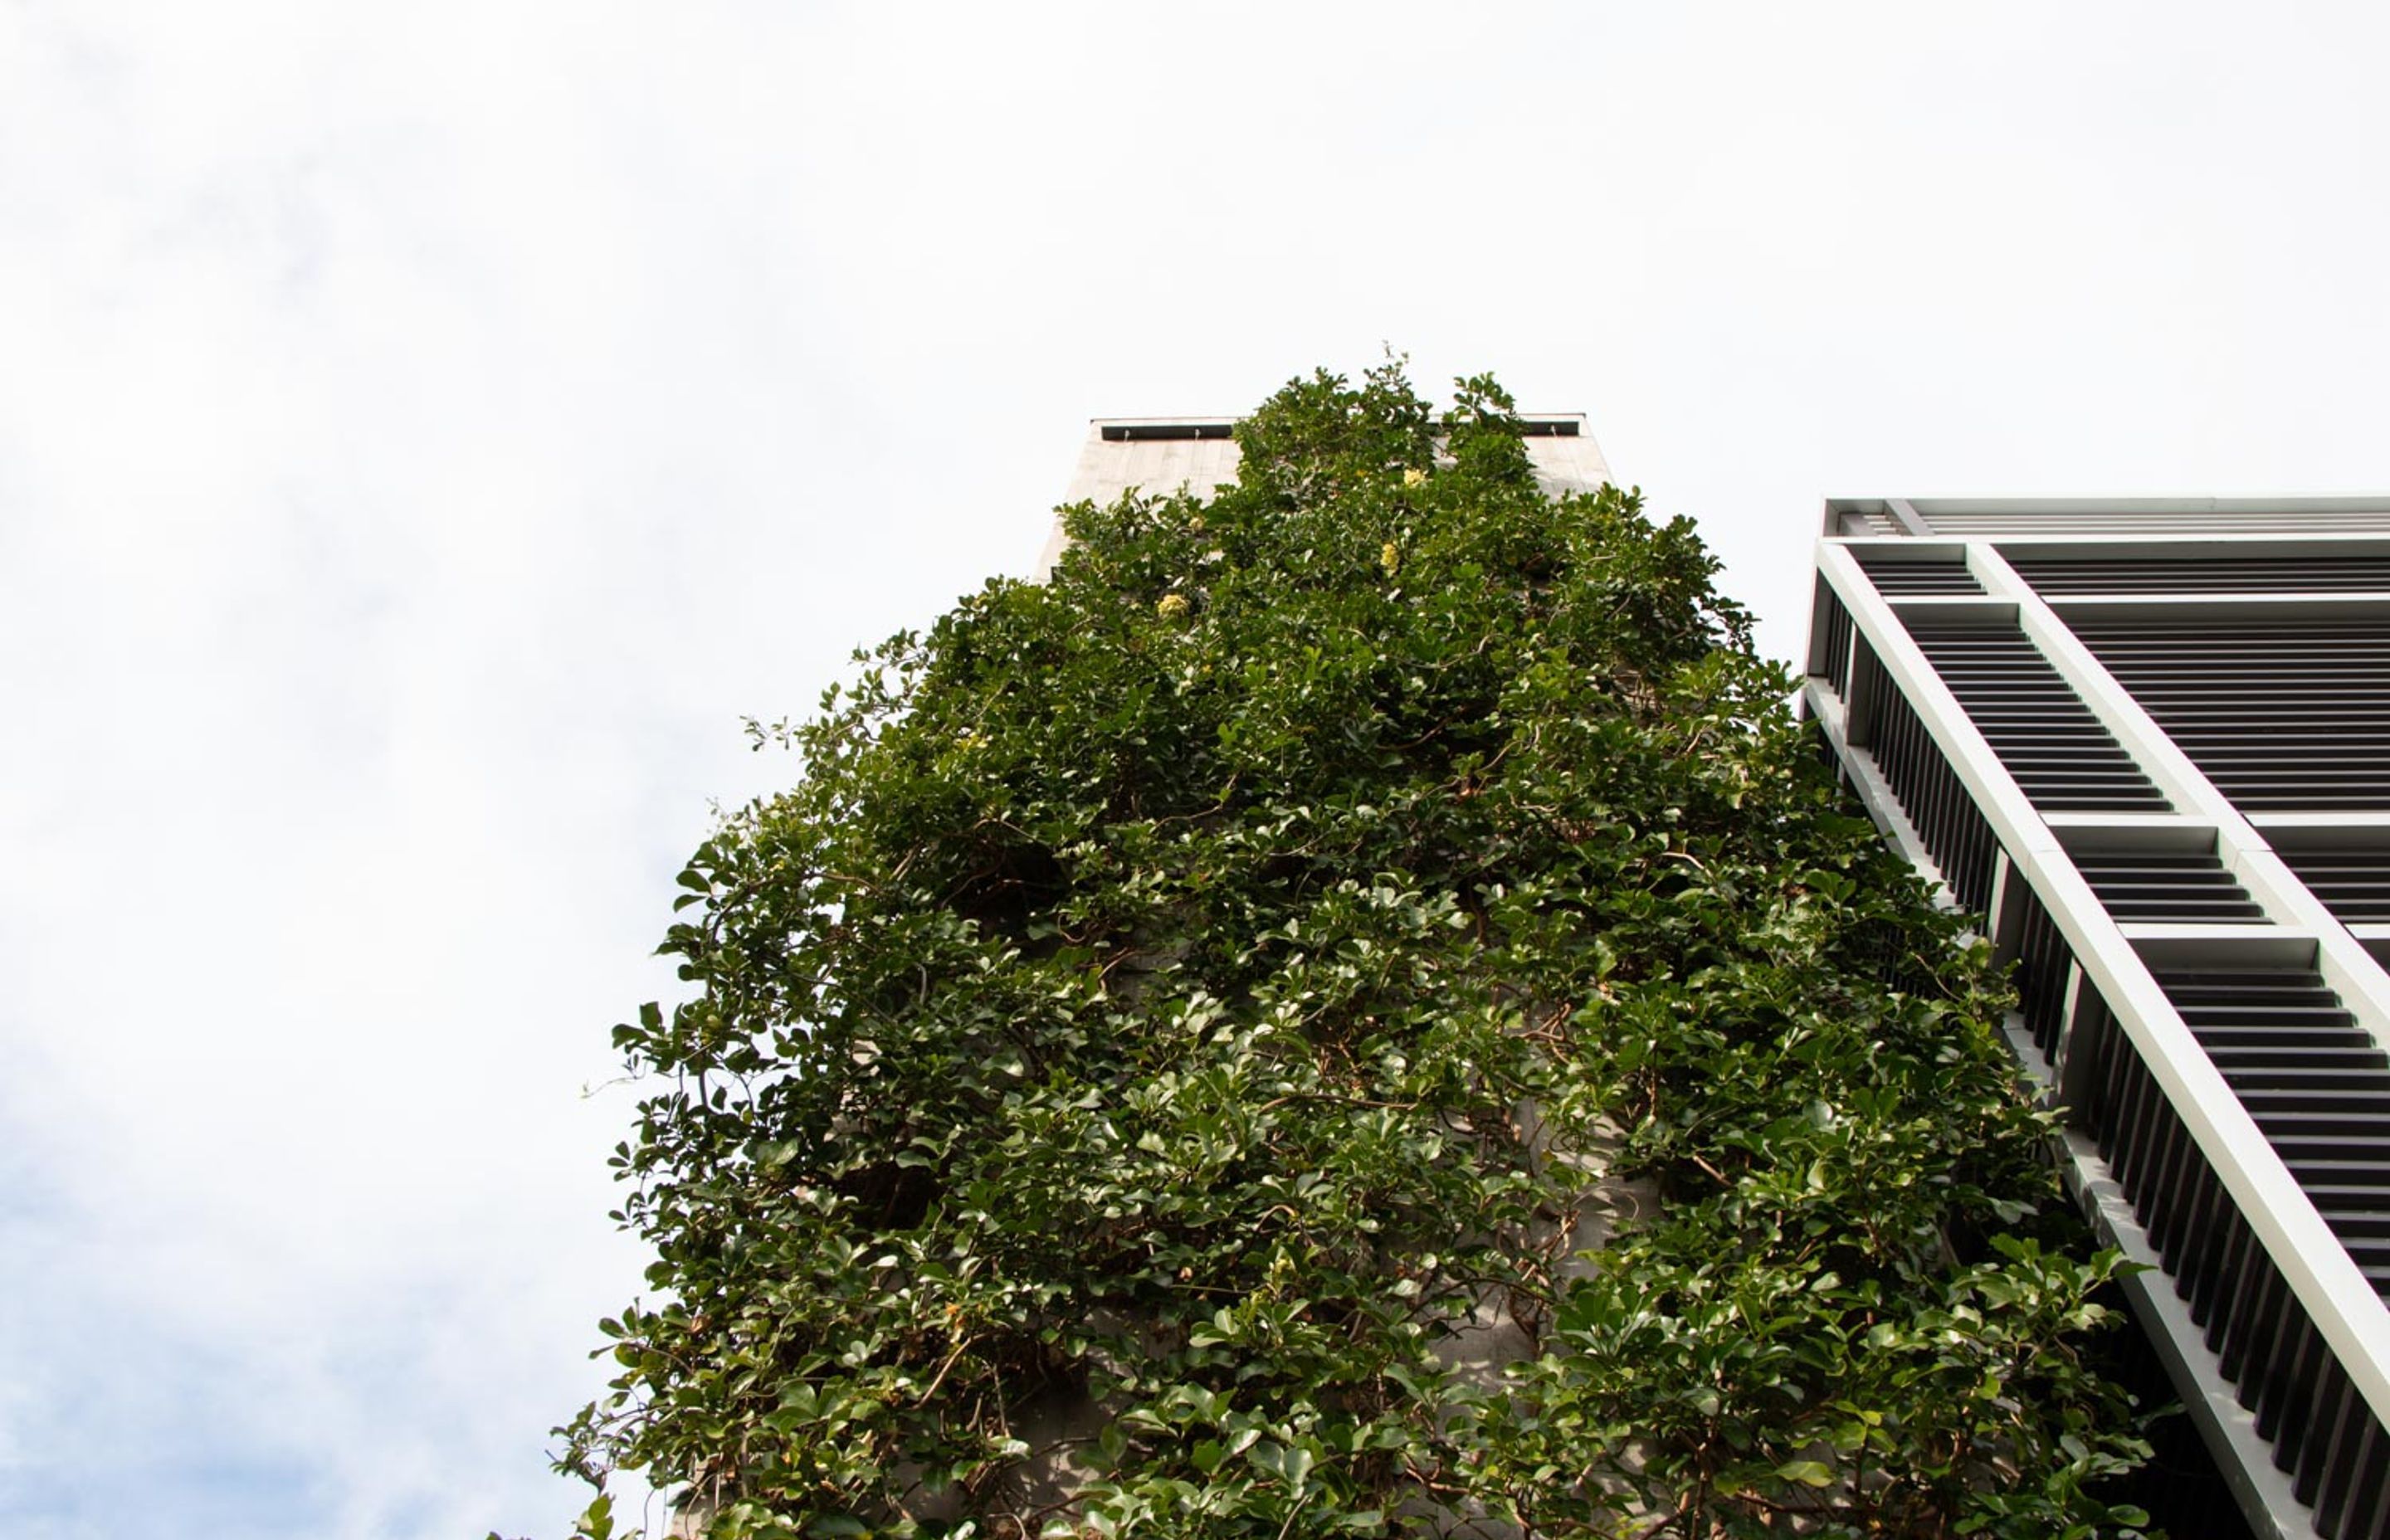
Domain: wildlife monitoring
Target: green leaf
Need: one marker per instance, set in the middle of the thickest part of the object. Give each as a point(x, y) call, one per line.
point(596, 1520)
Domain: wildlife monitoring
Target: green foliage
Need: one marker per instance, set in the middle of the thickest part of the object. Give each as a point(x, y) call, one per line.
point(1162, 1070)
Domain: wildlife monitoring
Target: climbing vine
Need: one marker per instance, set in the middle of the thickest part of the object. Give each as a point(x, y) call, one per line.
point(1351, 1009)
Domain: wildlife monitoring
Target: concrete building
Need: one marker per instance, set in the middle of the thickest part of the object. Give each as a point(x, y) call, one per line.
point(2148, 742)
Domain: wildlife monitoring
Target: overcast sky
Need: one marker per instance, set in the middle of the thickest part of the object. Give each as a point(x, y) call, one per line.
point(426, 429)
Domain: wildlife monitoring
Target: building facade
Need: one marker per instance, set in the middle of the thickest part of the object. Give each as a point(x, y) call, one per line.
point(2148, 743)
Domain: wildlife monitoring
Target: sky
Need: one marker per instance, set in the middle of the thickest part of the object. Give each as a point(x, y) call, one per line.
point(427, 429)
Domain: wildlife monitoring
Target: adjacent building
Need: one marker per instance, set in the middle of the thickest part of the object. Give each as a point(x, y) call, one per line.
point(2148, 742)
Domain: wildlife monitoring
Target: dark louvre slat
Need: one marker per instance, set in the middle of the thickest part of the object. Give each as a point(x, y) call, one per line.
point(2168, 886)
point(2060, 755)
point(1918, 577)
point(2042, 966)
point(1836, 619)
point(2281, 712)
point(2354, 884)
point(2276, 574)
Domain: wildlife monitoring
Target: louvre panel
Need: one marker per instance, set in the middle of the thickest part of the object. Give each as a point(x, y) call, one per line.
point(1929, 791)
point(1919, 577)
point(2168, 886)
point(2055, 574)
point(2279, 713)
point(2267, 1031)
point(2316, 1084)
point(2353, 883)
point(2049, 740)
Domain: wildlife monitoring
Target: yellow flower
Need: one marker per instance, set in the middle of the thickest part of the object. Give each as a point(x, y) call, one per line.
point(1389, 558)
point(1413, 476)
point(1172, 605)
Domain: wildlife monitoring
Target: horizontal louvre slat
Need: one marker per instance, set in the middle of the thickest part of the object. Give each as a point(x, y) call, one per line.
point(1918, 577)
point(2171, 885)
point(1996, 524)
point(2281, 712)
point(2058, 752)
point(2354, 884)
point(2053, 574)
